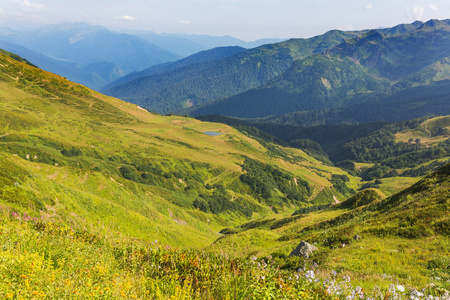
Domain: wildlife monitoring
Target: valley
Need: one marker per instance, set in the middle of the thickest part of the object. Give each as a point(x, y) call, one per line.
point(341, 141)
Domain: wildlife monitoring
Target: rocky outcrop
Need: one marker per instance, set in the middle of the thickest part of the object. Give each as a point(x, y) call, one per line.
point(303, 249)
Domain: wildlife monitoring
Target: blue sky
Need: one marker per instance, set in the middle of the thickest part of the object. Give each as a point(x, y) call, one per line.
point(244, 19)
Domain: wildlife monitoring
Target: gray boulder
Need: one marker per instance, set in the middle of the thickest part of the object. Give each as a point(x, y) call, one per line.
point(303, 249)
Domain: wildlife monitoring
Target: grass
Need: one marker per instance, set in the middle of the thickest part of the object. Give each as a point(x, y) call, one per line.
point(50, 260)
point(88, 182)
point(404, 238)
point(430, 132)
point(48, 115)
point(393, 185)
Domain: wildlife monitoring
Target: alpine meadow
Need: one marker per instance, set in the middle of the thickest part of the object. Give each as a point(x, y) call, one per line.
point(137, 165)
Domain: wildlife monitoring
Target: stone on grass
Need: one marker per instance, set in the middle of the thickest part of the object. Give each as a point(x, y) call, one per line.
point(303, 249)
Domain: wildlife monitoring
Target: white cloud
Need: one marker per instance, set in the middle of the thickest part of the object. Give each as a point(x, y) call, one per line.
point(126, 18)
point(418, 12)
point(28, 6)
point(368, 7)
point(346, 28)
point(433, 7)
point(185, 22)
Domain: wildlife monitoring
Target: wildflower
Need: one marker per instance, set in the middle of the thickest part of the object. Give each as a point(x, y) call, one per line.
point(358, 292)
point(10, 295)
point(310, 275)
point(415, 294)
point(346, 278)
point(401, 288)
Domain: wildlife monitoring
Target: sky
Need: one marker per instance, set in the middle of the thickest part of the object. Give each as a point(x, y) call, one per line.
point(244, 19)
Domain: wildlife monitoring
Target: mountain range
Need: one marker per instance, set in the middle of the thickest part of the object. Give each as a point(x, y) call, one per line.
point(387, 74)
point(189, 44)
point(371, 68)
point(95, 56)
point(200, 83)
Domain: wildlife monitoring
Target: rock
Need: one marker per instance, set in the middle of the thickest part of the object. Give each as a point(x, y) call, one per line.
point(303, 249)
point(357, 237)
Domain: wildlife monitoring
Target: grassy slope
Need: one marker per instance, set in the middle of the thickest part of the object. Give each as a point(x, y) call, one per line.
point(430, 132)
point(404, 237)
point(44, 114)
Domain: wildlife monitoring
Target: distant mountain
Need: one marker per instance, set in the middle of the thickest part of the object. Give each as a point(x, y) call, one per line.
point(372, 72)
point(90, 55)
point(175, 44)
point(86, 44)
point(212, 80)
point(414, 102)
point(188, 44)
point(200, 57)
point(209, 41)
point(94, 76)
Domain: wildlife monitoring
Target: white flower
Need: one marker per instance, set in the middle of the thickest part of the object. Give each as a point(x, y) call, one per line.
point(310, 275)
point(401, 288)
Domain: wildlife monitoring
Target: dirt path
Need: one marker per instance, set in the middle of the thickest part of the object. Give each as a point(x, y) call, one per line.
point(336, 201)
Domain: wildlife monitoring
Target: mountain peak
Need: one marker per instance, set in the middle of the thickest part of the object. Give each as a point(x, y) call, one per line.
point(434, 24)
point(373, 35)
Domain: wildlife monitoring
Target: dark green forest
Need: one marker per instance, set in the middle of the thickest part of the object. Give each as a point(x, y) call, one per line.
point(343, 145)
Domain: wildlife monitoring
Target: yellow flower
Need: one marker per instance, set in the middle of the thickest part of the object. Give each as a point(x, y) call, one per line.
point(10, 295)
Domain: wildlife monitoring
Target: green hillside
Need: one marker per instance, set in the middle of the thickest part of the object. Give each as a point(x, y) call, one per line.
point(185, 86)
point(402, 239)
point(385, 156)
point(100, 199)
point(71, 154)
point(369, 78)
point(197, 58)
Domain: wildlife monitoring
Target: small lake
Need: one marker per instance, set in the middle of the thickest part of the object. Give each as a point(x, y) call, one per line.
point(212, 133)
